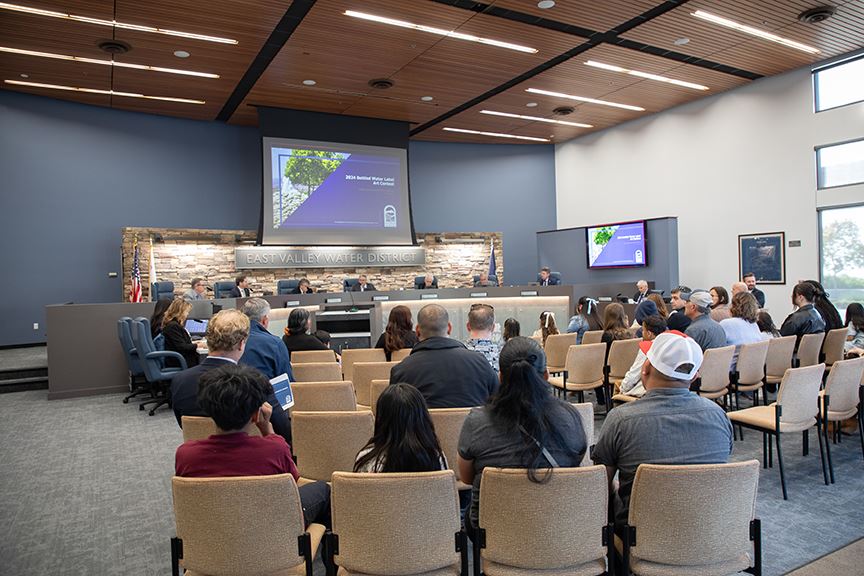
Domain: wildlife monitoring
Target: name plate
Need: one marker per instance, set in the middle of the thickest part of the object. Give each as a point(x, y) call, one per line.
point(428, 296)
point(528, 293)
point(333, 300)
point(380, 298)
point(291, 303)
point(479, 294)
point(262, 257)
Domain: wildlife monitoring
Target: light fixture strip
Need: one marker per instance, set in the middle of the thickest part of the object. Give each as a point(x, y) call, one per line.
point(114, 23)
point(105, 62)
point(439, 31)
point(646, 75)
point(535, 118)
point(584, 99)
point(495, 134)
point(764, 34)
point(106, 92)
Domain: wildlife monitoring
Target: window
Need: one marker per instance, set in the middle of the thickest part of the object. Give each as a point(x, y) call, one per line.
point(842, 245)
point(840, 164)
point(839, 85)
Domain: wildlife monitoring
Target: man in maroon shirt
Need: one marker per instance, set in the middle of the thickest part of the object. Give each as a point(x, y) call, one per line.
point(236, 398)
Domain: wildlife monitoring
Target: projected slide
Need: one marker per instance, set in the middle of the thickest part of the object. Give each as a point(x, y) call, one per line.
point(617, 245)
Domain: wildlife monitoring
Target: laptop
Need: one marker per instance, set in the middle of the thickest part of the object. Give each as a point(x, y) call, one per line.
point(282, 388)
point(196, 327)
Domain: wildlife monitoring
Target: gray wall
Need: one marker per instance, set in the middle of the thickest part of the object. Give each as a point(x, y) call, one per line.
point(566, 252)
point(486, 187)
point(71, 176)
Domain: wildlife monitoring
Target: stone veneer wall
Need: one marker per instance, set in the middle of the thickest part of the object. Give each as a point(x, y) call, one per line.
point(183, 254)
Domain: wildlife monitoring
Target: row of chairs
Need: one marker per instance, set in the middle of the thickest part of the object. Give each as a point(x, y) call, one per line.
point(696, 519)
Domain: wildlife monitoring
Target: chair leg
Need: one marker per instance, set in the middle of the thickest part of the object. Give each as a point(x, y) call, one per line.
point(823, 429)
point(805, 442)
point(780, 464)
point(770, 453)
point(764, 450)
point(861, 429)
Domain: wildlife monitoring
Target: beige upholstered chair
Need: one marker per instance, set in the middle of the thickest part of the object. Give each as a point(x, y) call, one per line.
point(809, 348)
point(796, 410)
point(584, 367)
point(833, 346)
point(307, 356)
point(364, 373)
point(556, 351)
point(714, 372)
point(592, 337)
point(352, 355)
point(623, 398)
point(448, 424)
point(586, 415)
point(538, 339)
point(317, 372)
point(241, 525)
point(750, 370)
point(376, 388)
point(840, 399)
point(780, 352)
point(400, 355)
point(396, 524)
point(556, 528)
point(323, 396)
point(200, 427)
point(713, 503)
point(622, 353)
point(325, 442)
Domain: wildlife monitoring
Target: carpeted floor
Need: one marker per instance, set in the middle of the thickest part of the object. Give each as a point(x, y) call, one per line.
point(24, 358)
point(85, 488)
point(844, 561)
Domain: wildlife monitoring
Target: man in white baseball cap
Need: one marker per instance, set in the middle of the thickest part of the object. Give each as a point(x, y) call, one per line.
point(668, 425)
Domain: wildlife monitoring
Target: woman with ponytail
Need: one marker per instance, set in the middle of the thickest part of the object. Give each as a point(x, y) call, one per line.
point(825, 308)
point(580, 323)
point(522, 426)
point(547, 326)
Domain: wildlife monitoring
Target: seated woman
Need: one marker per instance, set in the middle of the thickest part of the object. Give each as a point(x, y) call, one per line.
point(766, 326)
point(158, 316)
point(511, 329)
point(719, 304)
point(522, 426)
point(547, 326)
point(742, 328)
point(854, 345)
point(296, 336)
point(399, 332)
point(177, 339)
point(404, 438)
point(579, 322)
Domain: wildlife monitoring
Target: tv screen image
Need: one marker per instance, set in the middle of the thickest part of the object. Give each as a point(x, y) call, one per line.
point(619, 245)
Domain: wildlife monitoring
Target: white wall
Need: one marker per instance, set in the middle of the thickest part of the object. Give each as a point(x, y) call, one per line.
point(741, 162)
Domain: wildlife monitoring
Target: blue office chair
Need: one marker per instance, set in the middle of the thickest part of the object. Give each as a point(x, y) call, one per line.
point(152, 361)
point(552, 276)
point(493, 279)
point(348, 283)
point(137, 382)
point(420, 281)
point(223, 289)
point(286, 286)
point(161, 291)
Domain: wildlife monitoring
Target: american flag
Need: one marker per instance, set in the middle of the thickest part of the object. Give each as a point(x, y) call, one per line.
point(135, 290)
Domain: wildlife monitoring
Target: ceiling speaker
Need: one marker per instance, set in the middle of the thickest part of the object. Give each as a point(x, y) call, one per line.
point(818, 14)
point(563, 110)
point(381, 83)
point(114, 46)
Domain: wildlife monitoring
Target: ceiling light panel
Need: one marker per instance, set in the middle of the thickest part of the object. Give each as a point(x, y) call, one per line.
point(764, 34)
point(584, 99)
point(646, 75)
point(535, 119)
point(106, 92)
point(495, 134)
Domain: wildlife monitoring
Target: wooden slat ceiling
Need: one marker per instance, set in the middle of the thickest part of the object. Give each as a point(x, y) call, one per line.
point(343, 54)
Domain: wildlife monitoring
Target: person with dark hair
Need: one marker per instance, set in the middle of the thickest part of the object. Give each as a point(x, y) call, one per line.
point(615, 325)
point(741, 328)
point(703, 329)
point(399, 332)
point(677, 319)
point(579, 323)
point(854, 345)
point(652, 326)
point(806, 319)
point(521, 426)
point(235, 397)
point(241, 288)
point(766, 325)
point(662, 311)
point(481, 325)
point(297, 335)
point(546, 278)
point(303, 287)
point(363, 285)
point(323, 336)
point(404, 439)
point(749, 279)
point(547, 326)
point(511, 329)
point(825, 308)
point(443, 369)
point(719, 303)
point(644, 309)
point(158, 315)
point(196, 290)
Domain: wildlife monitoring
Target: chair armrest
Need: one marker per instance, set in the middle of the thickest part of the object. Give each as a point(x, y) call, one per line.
point(168, 354)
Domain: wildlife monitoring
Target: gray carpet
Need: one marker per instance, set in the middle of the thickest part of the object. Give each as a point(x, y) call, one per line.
point(844, 561)
point(85, 488)
point(24, 358)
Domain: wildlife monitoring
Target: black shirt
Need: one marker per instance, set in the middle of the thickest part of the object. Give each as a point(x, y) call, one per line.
point(177, 339)
point(409, 340)
point(298, 342)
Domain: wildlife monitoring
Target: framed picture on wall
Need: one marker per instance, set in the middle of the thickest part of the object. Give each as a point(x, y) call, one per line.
point(764, 255)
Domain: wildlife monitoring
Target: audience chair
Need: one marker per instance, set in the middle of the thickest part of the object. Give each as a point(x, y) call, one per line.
point(592, 337)
point(493, 280)
point(307, 356)
point(779, 359)
point(448, 424)
point(223, 289)
point(157, 375)
point(808, 350)
point(693, 520)
point(839, 401)
point(316, 372)
point(352, 355)
point(556, 348)
point(796, 410)
point(161, 291)
point(420, 281)
point(750, 371)
point(586, 416)
point(833, 347)
point(401, 354)
point(584, 369)
point(622, 398)
point(396, 524)
point(538, 339)
point(559, 527)
point(364, 373)
point(349, 283)
point(201, 427)
point(324, 396)
point(137, 382)
point(622, 353)
point(325, 442)
point(284, 287)
point(714, 373)
point(241, 525)
point(376, 388)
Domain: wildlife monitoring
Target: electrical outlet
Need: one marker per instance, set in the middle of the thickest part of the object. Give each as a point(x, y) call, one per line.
point(35, 325)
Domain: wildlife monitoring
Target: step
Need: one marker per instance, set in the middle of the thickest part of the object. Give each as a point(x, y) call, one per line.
point(21, 384)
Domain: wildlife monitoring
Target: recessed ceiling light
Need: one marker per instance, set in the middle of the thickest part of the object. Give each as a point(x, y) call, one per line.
point(495, 134)
point(309, 82)
point(426, 98)
point(440, 31)
point(683, 41)
point(646, 75)
point(106, 62)
point(25, 75)
point(754, 31)
point(546, 4)
point(535, 118)
point(584, 99)
point(113, 23)
point(108, 92)
point(181, 54)
point(531, 104)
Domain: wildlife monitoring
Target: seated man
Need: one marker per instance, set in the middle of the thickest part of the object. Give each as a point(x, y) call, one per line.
point(303, 287)
point(444, 370)
point(668, 425)
point(652, 326)
point(481, 325)
point(241, 288)
point(483, 280)
point(363, 285)
point(642, 291)
point(429, 283)
point(750, 281)
point(677, 319)
point(546, 278)
point(706, 331)
point(236, 398)
point(738, 287)
point(196, 291)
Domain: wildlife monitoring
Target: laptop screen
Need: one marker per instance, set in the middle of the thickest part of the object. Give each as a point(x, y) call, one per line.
point(196, 327)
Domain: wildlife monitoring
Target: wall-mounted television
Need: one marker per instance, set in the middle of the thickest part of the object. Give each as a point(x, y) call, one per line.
point(620, 245)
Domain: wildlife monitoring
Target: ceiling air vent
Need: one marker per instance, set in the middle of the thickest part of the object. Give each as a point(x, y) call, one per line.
point(381, 83)
point(114, 46)
point(818, 14)
point(563, 110)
